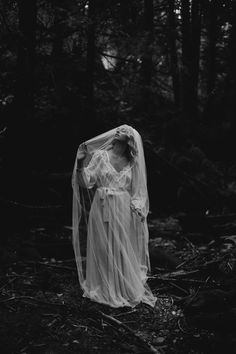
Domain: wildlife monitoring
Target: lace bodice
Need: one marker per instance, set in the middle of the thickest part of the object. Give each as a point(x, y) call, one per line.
point(101, 172)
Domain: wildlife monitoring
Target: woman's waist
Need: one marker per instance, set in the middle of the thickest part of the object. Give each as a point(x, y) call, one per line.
point(112, 190)
point(111, 198)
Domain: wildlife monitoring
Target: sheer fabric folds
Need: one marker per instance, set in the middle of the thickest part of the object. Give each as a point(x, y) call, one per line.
point(109, 238)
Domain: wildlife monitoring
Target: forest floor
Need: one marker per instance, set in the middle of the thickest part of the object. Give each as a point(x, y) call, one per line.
point(42, 309)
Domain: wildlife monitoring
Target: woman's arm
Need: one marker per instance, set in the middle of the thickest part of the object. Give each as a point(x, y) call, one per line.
point(88, 174)
point(139, 196)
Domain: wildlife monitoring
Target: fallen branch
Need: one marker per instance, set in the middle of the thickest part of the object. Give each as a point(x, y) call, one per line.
point(24, 298)
point(56, 266)
point(118, 324)
point(178, 274)
point(179, 287)
point(3, 130)
point(9, 282)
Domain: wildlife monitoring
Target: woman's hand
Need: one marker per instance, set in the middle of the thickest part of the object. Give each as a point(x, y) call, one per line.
point(138, 212)
point(82, 152)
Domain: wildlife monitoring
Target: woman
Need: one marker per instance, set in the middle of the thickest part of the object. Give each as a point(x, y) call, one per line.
point(114, 271)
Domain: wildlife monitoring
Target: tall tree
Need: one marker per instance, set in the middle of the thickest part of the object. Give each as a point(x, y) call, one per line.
point(191, 31)
point(232, 45)
point(172, 34)
point(90, 68)
point(232, 60)
point(58, 32)
point(20, 113)
point(57, 49)
point(147, 63)
point(212, 35)
point(24, 95)
point(186, 55)
point(195, 40)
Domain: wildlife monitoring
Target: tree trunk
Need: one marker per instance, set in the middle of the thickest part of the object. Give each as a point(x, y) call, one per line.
point(173, 51)
point(232, 47)
point(24, 95)
point(57, 54)
point(213, 31)
point(58, 33)
point(147, 65)
point(91, 58)
point(232, 66)
point(191, 30)
point(196, 36)
point(20, 113)
point(186, 94)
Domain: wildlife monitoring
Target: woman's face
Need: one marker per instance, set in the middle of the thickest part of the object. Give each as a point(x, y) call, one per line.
point(121, 135)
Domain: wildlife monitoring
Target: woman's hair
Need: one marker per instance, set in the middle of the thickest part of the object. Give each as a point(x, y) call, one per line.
point(131, 150)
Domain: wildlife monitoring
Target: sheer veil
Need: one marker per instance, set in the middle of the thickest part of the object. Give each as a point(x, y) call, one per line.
point(83, 198)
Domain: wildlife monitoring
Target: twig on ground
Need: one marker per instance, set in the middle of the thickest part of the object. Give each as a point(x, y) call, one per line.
point(179, 287)
point(118, 324)
point(30, 298)
point(3, 130)
point(9, 282)
point(187, 261)
point(178, 274)
point(194, 248)
point(52, 266)
point(125, 313)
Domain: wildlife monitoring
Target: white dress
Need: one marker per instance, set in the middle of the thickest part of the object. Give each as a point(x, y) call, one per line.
point(116, 270)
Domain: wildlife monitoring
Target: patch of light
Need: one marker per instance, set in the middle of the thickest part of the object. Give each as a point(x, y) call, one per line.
point(108, 59)
point(178, 13)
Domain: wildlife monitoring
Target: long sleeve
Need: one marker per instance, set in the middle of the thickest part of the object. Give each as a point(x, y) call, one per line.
point(90, 172)
point(139, 193)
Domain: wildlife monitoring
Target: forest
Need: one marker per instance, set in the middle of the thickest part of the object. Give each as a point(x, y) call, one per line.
point(71, 70)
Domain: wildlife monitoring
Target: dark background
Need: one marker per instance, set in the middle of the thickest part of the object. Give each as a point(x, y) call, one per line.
point(73, 69)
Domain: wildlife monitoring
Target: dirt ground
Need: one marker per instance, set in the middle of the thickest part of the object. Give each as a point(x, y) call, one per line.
point(42, 309)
